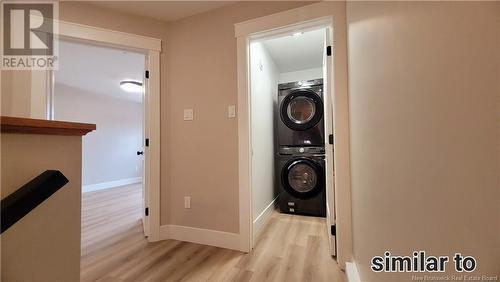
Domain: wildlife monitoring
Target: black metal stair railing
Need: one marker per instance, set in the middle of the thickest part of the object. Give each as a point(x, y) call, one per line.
point(25, 199)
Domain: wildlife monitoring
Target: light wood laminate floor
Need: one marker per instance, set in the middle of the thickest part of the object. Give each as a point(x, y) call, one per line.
point(290, 248)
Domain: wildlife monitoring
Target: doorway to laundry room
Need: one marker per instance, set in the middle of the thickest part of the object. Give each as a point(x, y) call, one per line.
point(291, 139)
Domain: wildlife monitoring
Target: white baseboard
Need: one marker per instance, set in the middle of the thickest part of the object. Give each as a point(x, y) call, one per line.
point(352, 272)
point(209, 237)
point(110, 184)
point(263, 217)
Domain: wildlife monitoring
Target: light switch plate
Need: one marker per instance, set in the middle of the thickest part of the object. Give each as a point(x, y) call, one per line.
point(231, 111)
point(187, 202)
point(188, 114)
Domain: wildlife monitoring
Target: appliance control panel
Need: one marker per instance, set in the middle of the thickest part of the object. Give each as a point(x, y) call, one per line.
point(301, 150)
point(300, 84)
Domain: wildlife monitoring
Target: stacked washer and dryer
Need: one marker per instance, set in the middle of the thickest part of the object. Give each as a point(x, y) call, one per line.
point(300, 152)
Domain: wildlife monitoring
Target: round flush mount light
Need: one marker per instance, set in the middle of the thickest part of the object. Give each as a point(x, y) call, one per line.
point(297, 34)
point(131, 86)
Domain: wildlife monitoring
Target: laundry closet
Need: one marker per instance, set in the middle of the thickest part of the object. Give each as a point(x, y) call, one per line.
point(290, 125)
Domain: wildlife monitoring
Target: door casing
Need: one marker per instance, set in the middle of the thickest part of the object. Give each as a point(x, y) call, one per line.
point(324, 14)
point(151, 48)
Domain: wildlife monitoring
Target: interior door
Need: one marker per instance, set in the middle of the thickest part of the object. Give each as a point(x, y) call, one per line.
point(146, 154)
point(329, 136)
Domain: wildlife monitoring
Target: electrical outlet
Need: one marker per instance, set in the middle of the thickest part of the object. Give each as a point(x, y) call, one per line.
point(187, 202)
point(188, 114)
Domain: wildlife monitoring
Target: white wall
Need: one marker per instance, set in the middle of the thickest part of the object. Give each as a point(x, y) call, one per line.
point(264, 91)
point(109, 153)
point(301, 75)
point(424, 107)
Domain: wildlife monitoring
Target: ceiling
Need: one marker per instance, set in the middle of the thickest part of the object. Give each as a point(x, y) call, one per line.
point(99, 69)
point(292, 53)
point(162, 10)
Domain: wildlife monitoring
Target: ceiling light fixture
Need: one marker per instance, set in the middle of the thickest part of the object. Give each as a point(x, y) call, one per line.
point(297, 34)
point(131, 86)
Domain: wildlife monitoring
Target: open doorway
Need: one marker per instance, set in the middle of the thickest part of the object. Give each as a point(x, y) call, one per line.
point(329, 15)
point(105, 86)
point(291, 133)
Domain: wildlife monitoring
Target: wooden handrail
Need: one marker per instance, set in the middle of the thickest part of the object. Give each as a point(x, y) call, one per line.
point(41, 126)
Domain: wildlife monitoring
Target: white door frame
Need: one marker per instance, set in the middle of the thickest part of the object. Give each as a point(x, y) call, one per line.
point(151, 48)
point(334, 14)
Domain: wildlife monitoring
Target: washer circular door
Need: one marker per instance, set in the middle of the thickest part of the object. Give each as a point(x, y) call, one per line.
point(301, 109)
point(302, 178)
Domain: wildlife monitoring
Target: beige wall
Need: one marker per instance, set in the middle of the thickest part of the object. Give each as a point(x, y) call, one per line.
point(45, 244)
point(84, 13)
point(424, 96)
point(23, 93)
point(198, 66)
point(18, 82)
point(203, 154)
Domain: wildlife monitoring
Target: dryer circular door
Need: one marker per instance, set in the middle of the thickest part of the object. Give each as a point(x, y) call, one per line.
point(301, 109)
point(302, 178)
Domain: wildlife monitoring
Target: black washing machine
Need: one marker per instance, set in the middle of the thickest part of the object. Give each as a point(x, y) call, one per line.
point(301, 180)
point(300, 110)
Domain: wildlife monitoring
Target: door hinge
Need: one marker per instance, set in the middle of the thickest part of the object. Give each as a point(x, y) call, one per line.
point(333, 230)
point(146, 211)
point(146, 74)
point(146, 142)
point(328, 50)
point(330, 139)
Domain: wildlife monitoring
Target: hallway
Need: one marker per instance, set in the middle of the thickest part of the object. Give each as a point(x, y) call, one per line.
point(290, 248)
